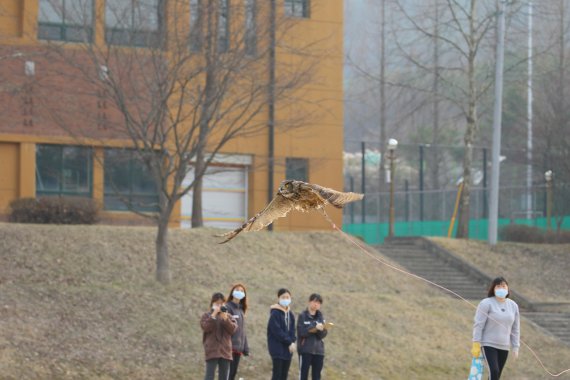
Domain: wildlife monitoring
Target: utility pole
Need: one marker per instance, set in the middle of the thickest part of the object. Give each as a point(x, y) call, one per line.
point(382, 96)
point(271, 103)
point(497, 121)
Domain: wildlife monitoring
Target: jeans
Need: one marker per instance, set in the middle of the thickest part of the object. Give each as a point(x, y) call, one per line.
point(223, 369)
point(280, 369)
point(315, 362)
point(234, 366)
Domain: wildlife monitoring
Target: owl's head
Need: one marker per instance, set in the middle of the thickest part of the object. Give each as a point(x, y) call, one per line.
point(288, 188)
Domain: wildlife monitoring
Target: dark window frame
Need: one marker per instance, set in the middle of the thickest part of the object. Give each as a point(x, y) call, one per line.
point(295, 164)
point(196, 25)
point(250, 36)
point(224, 26)
point(61, 191)
point(63, 27)
point(134, 36)
point(127, 198)
point(298, 8)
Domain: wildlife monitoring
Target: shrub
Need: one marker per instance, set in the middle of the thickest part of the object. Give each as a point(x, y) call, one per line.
point(557, 237)
point(527, 234)
point(521, 233)
point(54, 210)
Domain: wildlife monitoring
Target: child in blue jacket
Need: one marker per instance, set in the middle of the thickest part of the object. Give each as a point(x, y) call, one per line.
point(281, 335)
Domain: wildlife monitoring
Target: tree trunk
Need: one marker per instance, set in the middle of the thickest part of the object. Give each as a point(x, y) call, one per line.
point(463, 221)
point(435, 89)
point(197, 218)
point(162, 264)
point(205, 117)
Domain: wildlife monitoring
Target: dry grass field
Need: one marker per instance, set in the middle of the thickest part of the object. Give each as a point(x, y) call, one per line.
point(80, 302)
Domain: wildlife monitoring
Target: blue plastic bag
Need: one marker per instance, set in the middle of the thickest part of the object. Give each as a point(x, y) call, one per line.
point(476, 371)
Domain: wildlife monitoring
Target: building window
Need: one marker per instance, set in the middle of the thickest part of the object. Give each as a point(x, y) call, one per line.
point(63, 170)
point(297, 168)
point(297, 8)
point(128, 183)
point(133, 22)
point(196, 25)
point(223, 26)
point(66, 20)
point(250, 27)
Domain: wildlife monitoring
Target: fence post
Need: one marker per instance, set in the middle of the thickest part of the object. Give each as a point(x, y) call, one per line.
point(421, 182)
point(407, 190)
point(363, 164)
point(352, 203)
point(485, 207)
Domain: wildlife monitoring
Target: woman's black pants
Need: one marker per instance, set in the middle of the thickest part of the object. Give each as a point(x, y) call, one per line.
point(496, 360)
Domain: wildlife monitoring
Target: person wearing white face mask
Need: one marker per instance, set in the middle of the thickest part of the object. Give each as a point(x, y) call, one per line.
point(281, 335)
point(497, 328)
point(237, 307)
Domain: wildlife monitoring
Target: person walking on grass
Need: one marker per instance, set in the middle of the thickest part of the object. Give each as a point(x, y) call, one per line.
point(218, 328)
point(281, 335)
point(311, 332)
point(497, 328)
point(237, 307)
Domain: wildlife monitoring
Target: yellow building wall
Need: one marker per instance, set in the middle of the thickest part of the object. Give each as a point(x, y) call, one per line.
point(9, 175)
point(319, 138)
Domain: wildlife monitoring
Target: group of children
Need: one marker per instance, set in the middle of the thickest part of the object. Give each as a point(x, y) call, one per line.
point(496, 330)
point(225, 339)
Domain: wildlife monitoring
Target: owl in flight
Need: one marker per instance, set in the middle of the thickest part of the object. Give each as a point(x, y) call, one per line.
point(298, 195)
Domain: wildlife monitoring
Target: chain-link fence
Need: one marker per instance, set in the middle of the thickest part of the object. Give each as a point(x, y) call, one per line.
point(426, 184)
point(414, 205)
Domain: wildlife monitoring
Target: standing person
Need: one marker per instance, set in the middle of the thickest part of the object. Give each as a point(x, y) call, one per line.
point(281, 335)
point(311, 332)
point(218, 328)
point(237, 307)
point(497, 328)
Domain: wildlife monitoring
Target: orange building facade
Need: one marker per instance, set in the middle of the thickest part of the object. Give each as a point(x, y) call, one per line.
point(38, 159)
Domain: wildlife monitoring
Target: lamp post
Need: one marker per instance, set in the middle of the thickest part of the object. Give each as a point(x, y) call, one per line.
point(392, 145)
point(548, 176)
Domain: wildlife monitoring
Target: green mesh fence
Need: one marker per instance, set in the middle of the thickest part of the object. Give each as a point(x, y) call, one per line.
point(375, 233)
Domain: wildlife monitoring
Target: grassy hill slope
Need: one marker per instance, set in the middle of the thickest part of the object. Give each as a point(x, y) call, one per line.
point(81, 302)
point(538, 271)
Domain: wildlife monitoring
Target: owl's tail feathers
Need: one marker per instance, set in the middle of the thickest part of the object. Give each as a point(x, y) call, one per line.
point(229, 235)
point(338, 200)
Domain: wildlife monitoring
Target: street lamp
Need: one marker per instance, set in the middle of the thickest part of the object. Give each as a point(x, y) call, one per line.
point(548, 176)
point(392, 145)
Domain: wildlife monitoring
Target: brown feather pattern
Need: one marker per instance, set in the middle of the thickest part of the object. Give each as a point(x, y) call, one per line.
point(301, 196)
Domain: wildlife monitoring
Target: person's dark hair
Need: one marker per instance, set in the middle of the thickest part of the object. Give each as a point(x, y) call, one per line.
point(216, 297)
point(243, 301)
point(316, 297)
point(495, 282)
point(282, 291)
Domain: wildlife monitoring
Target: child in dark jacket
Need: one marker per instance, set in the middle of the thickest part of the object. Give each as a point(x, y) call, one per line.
point(311, 332)
point(281, 335)
point(237, 307)
point(218, 329)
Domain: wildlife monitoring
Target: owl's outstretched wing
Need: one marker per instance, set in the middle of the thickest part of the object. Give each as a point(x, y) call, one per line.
point(277, 208)
point(336, 198)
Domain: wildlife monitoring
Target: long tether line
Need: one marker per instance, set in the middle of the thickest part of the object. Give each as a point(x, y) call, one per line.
point(375, 257)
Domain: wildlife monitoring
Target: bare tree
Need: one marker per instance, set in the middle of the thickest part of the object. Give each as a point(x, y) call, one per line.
point(552, 105)
point(464, 77)
point(177, 94)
